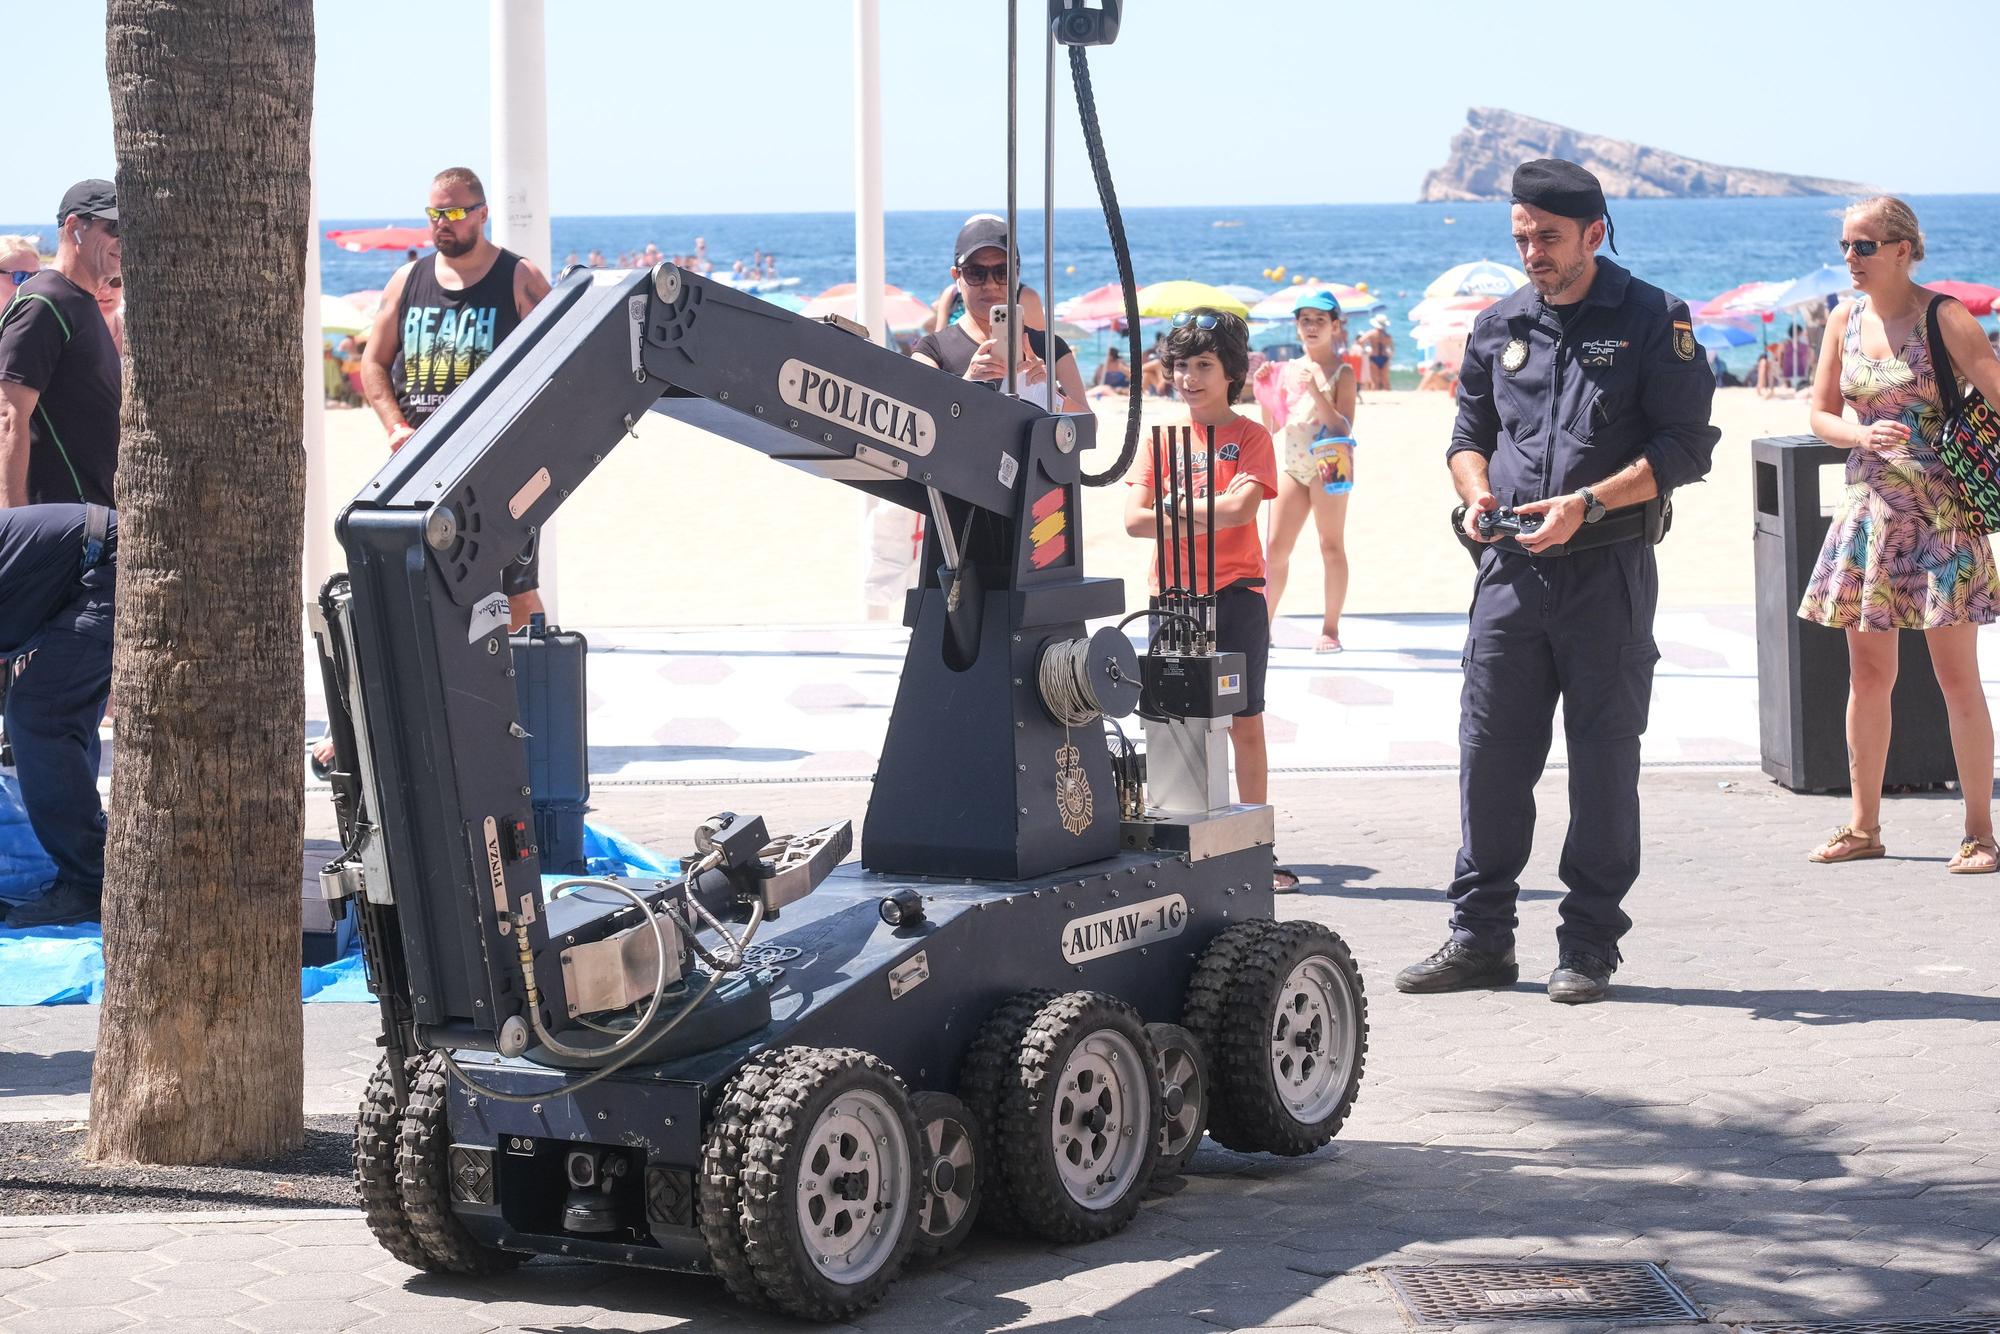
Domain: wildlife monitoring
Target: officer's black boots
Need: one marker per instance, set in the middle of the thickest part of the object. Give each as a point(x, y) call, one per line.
point(64, 903)
point(1579, 979)
point(1459, 967)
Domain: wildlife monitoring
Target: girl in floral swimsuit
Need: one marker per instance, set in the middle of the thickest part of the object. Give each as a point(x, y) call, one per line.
point(1902, 553)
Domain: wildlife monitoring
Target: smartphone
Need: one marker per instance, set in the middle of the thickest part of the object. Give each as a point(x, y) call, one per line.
point(997, 321)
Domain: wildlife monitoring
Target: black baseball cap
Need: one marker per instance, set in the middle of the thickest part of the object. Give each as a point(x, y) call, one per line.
point(89, 199)
point(980, 231)
point(1563, 188)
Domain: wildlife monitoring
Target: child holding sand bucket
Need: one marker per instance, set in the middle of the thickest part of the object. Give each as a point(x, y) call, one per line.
point(1315, 422)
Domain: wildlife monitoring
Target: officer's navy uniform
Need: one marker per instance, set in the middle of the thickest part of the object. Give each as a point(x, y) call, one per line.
point(57, 571)
point(1557, 399)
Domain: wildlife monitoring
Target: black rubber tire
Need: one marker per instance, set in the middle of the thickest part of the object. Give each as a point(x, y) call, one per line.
point(1173, 1038)
point(809, 1079)
point(987, 1062)
point(1203, 1006)
point(1249, 973)
point(719, 1197)
point(936, 1237)
point(423, 1174)
point(1028, 1149)
point(375, 1130)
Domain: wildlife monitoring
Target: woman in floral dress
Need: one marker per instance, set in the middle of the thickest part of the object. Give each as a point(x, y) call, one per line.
point(1902, 553)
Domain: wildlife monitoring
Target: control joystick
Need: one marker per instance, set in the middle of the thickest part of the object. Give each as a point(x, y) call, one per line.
point(1507, 522)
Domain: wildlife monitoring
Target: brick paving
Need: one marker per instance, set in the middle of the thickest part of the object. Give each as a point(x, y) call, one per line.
point(1790, 1103)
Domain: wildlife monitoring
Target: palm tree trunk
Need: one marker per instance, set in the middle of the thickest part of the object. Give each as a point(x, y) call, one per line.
point(199, 1045)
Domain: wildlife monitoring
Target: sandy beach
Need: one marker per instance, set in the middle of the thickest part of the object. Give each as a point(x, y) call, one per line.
point(680, 528)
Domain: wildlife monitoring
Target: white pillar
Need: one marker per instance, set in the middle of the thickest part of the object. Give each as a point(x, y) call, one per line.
point(518, 193)
point(318, 562)
point(869, 276)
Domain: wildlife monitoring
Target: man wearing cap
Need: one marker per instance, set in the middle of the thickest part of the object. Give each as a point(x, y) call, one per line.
point(60, 383)
point(1582, 396)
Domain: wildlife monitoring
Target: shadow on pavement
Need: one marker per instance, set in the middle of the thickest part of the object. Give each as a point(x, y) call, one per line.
point(1333, 880)
point(1756, 1215)
point(36, 1074)
point(1820, 1008)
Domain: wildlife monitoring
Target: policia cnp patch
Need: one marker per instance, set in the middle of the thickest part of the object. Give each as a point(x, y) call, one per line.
point(1684, 340)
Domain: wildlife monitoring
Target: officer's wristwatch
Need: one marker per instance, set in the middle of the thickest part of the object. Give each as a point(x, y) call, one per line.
point(1593, 508)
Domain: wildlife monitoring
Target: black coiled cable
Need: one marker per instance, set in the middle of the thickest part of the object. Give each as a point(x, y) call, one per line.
point(1100, 171)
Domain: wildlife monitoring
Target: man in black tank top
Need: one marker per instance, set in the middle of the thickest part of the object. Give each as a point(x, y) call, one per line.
point(441, 317)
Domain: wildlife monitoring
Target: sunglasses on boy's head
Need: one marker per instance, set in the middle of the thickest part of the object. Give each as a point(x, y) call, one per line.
point(978, 275)
point(18, 276)
point(1866, 248)
point(452, 214)
point(1187, 317)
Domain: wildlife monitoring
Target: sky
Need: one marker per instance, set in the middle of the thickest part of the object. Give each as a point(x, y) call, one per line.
point(671, 106)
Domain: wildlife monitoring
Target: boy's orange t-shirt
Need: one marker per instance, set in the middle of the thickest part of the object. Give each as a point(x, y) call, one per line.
point(1242, 449)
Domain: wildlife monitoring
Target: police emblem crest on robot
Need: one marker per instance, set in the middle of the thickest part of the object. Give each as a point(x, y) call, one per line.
point(1514, 355)
point(1073, 800)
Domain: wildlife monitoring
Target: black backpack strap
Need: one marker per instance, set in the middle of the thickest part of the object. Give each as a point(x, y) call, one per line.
point(1947, 379)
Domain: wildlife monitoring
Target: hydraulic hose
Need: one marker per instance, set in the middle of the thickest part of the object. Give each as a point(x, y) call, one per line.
point(1107, 195)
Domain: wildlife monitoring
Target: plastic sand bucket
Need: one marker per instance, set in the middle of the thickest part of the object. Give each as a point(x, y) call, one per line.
point(1333, 456)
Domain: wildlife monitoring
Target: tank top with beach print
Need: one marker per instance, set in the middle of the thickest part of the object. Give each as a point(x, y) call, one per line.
point(446, 334)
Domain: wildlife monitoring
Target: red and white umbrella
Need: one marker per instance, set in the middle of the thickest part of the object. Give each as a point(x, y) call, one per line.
point(900, 310)
point(1978, 297)
point(1100, 303)
point(1450, 309)
point(359, 239)
point(1759, 298)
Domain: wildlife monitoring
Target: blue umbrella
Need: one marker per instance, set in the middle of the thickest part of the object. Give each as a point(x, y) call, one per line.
point(1723, 335)
point(1814, 288)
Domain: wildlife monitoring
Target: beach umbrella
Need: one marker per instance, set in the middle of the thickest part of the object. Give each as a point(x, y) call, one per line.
point(1449, 309)
point(367, 302)
point(1249, 296)
point(337, 315)
point(1481, 277)
point(900, 310)
point(1978, 297)
point(1280, 304)
point(1757, 298)
point(1160, 300)
point(1101, 303)
point(358, 239)
point(1723, 335)
point(1815, 287)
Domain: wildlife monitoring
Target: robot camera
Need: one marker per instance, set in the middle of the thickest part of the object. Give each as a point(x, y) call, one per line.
point(1076, 24)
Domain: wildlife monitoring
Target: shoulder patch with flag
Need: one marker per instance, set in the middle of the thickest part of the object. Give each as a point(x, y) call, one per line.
point(1684, 340)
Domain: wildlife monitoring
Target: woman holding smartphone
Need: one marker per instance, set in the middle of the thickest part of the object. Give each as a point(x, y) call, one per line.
point(1902, 553)
point(968, 347)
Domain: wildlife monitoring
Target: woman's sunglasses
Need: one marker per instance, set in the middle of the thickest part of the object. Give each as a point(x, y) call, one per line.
point(452, 214)
point(1187, 317)
point(1865, 249)
point(978, 275)
point(18, 276)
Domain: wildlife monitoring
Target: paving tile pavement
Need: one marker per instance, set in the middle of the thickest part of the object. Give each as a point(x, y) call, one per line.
point(1790, 1104)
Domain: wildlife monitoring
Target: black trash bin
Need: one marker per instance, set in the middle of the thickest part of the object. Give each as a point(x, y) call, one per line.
point(1801, 667)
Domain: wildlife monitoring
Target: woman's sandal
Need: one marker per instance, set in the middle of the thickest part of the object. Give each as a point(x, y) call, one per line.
point(1849, 844)
point(1327, 644)
point(1975, 857)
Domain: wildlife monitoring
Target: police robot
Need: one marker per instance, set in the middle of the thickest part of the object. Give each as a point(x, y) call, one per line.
point(1052, 968)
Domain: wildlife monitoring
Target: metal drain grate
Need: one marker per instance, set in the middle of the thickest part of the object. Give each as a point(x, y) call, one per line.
point(1454, 1294)
point(1988, 1323)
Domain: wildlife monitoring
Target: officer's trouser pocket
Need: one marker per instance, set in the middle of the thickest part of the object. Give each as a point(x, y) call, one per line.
point(1510, 689)
point(1608, 690)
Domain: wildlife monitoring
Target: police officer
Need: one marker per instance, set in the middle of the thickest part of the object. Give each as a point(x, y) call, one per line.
point(57, 569)
point(1582, 396)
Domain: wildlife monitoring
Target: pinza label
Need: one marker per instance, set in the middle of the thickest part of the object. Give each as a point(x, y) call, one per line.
point(1124, 928)
point(857, 407)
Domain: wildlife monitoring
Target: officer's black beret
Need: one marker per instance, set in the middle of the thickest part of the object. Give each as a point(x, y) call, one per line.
point(1558, 187)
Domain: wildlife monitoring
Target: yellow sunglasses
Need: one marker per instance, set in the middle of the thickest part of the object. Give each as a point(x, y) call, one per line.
point(452, 214)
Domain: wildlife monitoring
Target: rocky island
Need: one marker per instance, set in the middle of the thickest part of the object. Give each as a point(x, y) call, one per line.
point(1493, 142)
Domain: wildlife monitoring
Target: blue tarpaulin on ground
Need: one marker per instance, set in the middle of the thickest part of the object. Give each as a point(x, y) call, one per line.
point(64, 965)
point(24, 867)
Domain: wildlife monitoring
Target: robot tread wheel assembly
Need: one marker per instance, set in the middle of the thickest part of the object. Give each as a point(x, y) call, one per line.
point(822, 1174)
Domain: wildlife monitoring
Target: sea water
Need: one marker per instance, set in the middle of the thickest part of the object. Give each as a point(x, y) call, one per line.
point(1694, 248)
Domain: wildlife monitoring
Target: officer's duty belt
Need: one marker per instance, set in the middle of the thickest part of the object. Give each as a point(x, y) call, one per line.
point(1649, 522)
